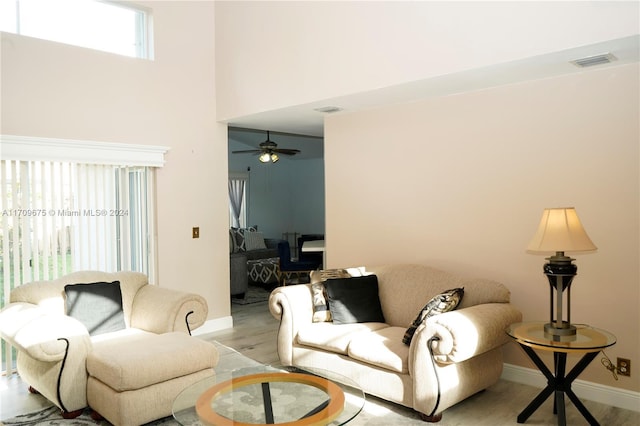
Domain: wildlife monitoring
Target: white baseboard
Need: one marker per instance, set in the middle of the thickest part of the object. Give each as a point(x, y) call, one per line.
point(608, 395)
point(214, 325)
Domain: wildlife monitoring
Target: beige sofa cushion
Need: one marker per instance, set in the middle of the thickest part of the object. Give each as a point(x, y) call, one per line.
point(139, 360)
point(382, 348)
point(334, 337)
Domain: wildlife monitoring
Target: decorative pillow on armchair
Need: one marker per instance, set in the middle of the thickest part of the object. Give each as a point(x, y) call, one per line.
point(96, 305)
point(446, 301)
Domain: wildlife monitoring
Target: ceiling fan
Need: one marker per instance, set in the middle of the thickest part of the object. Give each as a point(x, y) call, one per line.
point(268, 151)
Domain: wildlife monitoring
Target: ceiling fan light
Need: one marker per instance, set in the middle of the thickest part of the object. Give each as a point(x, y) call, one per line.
point(274, 157)
point(264, 157)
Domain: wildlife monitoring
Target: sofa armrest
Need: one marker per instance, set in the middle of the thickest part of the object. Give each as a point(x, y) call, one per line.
point(293, 306)
point(42, 335)
point(239, 279)
point(162, 310)
point(462, 334)
point(16, 315)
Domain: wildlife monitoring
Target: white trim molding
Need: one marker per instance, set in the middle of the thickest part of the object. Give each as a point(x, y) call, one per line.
point(214, 325)
point(603, 394)
point(29, 148)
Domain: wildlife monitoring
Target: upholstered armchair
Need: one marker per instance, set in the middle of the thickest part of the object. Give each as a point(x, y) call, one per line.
point(53, 344)
point(288, 267)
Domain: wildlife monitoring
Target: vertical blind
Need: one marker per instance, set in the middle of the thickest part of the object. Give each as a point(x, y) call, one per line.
point(59, 217)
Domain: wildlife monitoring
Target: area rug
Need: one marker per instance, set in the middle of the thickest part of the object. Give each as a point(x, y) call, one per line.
point(229, 360)
point(375, 412)
point(254, 294)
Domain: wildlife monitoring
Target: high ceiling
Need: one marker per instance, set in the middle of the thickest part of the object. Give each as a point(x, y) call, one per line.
point(306, 120)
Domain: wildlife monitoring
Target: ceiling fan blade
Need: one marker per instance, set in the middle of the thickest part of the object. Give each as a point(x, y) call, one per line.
point(269, 147)
point(286, 151)
point(246, 151)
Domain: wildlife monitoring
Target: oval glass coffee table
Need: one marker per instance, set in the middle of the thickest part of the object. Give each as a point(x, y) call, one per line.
point(265, 395)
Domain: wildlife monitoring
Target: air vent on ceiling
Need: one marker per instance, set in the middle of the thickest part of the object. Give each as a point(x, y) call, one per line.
point(328, 109)
point(591, 61)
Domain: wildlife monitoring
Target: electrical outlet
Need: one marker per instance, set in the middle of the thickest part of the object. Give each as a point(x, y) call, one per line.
point(623, 367)
point(195, 232)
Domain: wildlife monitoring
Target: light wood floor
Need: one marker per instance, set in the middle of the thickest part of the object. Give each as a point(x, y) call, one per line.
point(254, 335)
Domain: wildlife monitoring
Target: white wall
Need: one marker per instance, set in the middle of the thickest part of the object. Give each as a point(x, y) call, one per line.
point(287, 196)
point(272, 54)
point(307, 193)
point(460, 182)
point(59, 91)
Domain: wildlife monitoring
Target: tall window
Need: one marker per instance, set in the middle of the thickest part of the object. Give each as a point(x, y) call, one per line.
point(61, 217)
point(101, 25)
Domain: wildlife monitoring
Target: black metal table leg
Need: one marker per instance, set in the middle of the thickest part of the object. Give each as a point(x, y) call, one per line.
point(546, 392)
point(558, 384)
point(573, 374)
point(560, 368)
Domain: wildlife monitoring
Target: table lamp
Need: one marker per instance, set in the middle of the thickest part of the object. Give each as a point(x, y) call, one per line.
point(560, 231)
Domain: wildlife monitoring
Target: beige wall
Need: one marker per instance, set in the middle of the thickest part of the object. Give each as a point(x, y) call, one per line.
point(456, 182)
point(59, 91)
point(273, 54)
point(460, 183)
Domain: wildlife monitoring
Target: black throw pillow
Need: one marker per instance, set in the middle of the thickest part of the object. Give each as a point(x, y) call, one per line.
point(96, 305)
point(354, 299)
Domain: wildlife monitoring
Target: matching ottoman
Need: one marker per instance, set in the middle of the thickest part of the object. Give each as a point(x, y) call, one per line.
point(263, 271)
point(134, 380)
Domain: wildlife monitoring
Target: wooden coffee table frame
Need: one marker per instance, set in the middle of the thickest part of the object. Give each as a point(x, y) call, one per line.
point(321, 416)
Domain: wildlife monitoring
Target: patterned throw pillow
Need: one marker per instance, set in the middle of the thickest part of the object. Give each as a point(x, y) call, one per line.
point(443, 302)
point(239, 238)
point(321, 312)
point(232, 243)
point(254, 241)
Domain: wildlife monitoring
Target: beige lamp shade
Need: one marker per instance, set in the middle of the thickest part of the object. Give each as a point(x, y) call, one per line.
point(560, 230)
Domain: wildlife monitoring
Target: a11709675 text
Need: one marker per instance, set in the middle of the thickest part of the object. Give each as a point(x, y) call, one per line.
point(64, 212)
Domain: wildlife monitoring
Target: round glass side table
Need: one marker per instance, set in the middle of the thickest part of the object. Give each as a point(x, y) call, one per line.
point(589, 341)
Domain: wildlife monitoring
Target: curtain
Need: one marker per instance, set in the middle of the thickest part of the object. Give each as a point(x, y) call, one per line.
point(236, 194)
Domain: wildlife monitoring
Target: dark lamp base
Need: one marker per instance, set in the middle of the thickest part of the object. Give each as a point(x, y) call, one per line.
point(565, 329)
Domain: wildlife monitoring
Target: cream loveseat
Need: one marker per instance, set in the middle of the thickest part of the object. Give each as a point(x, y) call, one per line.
point(451, 356)
point(138, 357)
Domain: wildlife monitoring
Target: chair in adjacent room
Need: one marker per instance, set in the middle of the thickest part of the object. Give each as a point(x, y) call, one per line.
point(288, 268)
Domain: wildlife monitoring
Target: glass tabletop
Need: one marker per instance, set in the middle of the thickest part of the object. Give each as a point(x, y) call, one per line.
point(587, 339)
point(270, 395)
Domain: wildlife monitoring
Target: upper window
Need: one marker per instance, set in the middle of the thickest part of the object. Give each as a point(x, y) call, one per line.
point(101, 25)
